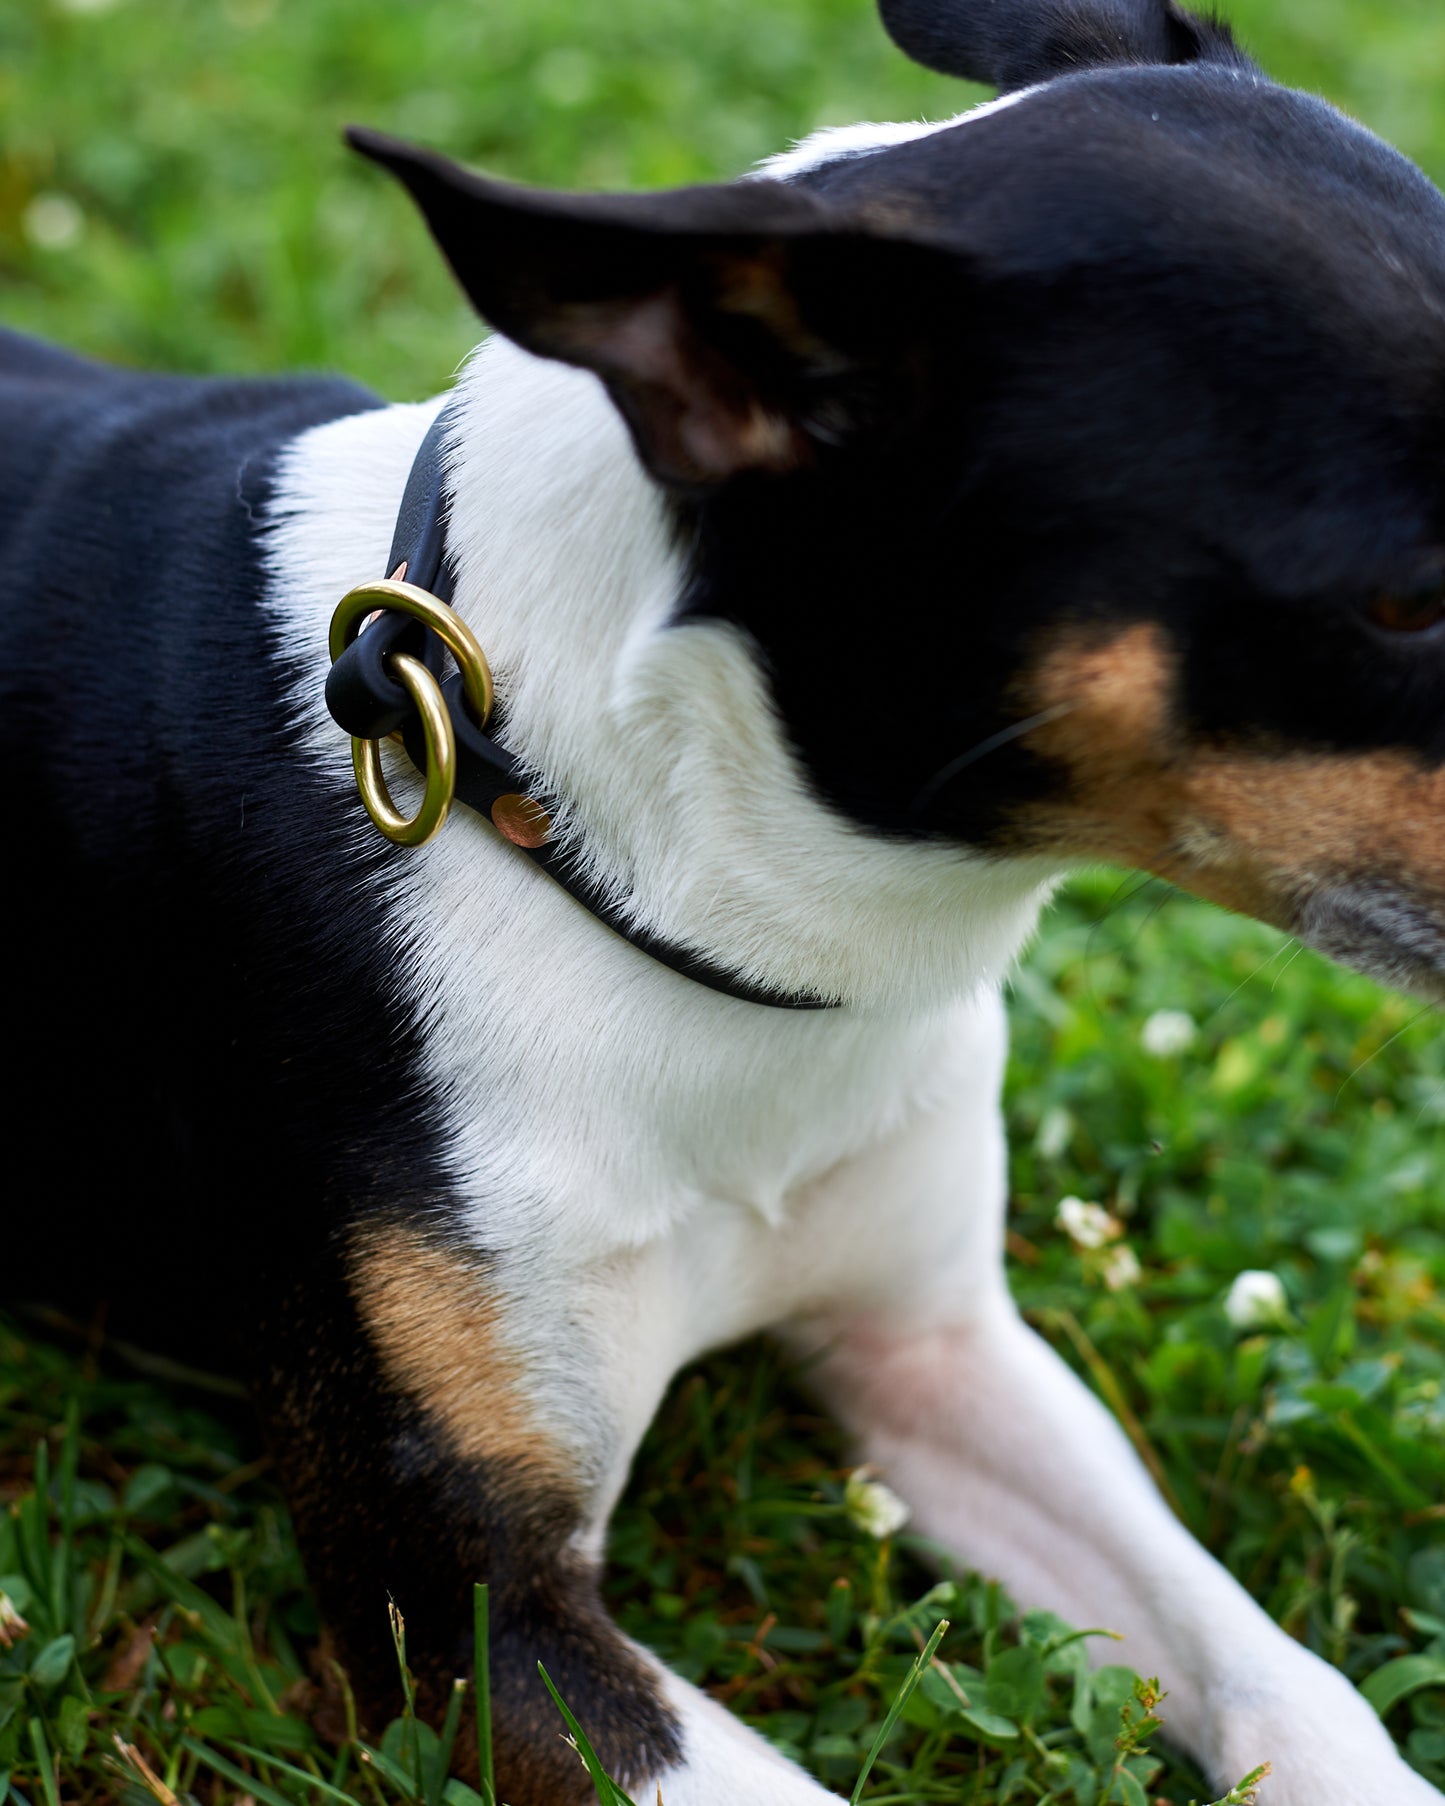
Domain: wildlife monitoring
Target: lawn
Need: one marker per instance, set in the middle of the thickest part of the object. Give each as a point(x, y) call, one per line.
point(172, 192)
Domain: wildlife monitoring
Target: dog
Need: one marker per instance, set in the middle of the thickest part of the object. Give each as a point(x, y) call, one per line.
point(855, 547)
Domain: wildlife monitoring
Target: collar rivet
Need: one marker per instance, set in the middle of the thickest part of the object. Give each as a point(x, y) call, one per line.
point(522, 819)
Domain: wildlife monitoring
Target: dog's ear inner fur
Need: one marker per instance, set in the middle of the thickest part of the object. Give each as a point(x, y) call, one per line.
point(738, 328)
point(1014, 44)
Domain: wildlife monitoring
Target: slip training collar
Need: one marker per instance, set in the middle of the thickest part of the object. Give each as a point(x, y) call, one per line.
point(388, 681)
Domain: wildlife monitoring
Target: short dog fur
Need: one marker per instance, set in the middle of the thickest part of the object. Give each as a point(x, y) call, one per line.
point(955, 503)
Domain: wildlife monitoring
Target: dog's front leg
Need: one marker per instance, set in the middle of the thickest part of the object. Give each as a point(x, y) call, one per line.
point(1007, 1459)
point(439, 1423)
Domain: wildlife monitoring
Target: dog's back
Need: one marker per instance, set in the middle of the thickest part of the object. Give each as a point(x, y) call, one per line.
point(140, 786)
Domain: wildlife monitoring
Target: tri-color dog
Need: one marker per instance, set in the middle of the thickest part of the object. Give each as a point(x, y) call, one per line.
point(955, 503)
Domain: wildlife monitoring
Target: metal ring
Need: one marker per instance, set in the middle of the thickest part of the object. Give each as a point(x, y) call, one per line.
point(441, 761)
point(421, 605)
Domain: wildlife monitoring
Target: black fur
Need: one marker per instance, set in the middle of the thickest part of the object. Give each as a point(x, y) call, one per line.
point(221, 1061)
point(1016, 45)
point(187, 883)
point(1166, 348)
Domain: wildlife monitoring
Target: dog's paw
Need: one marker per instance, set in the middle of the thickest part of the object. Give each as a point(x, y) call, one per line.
point(1390, 1783)
point(1324, 1745)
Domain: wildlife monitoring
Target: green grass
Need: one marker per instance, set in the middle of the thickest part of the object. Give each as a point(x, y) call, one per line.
point(1300, 1133)
point(172, 192)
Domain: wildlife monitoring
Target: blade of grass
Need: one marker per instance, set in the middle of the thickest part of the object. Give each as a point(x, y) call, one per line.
point(33, 1523)
point(150, 1780)
point(365, 1769)
point(215, 1624)
point(483, 1658)
point(441, 1760)
point(608, 1792)
point(410, 1742)
point(241, 1612)
point(378, 1760)
point(272, 1760)
point(46, 1762)
point(61, 1554)
point(1245, 1792)
point(238, 1776)
point(1114, 1396)
point(885, 1730)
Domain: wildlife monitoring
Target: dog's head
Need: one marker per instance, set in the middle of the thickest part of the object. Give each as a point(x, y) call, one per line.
point(1078, 468)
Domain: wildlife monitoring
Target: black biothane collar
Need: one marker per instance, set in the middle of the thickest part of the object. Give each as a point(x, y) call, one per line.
point(367, 703)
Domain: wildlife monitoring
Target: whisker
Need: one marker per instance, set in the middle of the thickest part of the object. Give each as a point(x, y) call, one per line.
point(1169, 893)
point(1131, 885)
point(1299, 948)
point(929, 793)
point(1427, 1109)
point(1135, 884)
point(1419, 1016)
point(1249, 978)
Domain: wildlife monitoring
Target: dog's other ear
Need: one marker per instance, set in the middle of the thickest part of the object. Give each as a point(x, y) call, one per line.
point(737, 328)
point(1016, 43)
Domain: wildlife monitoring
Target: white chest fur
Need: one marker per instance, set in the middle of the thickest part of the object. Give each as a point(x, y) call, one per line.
point(598, 1100)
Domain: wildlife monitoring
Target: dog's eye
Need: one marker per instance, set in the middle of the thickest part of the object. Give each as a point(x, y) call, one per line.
point(1407, 614)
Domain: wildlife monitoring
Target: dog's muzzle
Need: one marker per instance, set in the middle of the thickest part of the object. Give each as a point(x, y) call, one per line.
point(1382, 928)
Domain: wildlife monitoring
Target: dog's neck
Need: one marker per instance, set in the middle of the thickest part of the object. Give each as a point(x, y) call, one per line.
point(678, 780)
point(680, 785)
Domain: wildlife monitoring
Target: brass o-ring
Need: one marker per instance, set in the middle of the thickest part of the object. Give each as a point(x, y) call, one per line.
point(441, 762)
point(420, 605)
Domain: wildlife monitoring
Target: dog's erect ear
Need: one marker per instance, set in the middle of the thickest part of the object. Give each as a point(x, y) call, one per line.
point(737, 328)
point(1015, 43)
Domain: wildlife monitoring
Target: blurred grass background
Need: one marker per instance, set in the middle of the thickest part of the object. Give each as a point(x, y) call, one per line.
point(173, 192)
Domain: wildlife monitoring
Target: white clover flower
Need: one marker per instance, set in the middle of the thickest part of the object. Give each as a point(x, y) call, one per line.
point(1257, 1301)
point(12, 1626)
point(1087, 1225)
point(53, 222)
point(1168, 1032)
point(873, 1507)
point(1121, 1268)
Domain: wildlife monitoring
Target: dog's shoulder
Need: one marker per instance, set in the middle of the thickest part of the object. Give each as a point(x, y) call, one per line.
point(131, 509)
point(180, 857)
point(145, 447)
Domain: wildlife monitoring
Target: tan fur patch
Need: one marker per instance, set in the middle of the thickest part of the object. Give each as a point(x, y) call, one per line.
point(1255, 831)
point(436, 1325)
point(760, 286)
